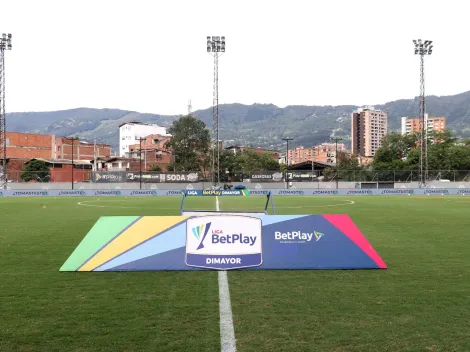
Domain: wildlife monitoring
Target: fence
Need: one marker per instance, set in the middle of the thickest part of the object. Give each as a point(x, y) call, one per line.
point(326, 175)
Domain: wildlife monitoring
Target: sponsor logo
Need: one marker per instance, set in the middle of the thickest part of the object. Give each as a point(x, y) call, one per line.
point(107, 193)
point(243, 192)
point(145, 177)
point(30, 193)
point(143, 193)
point(436, 191)
point(325, 192)
point(72, 193)
point(223, 242)
point(362, 191)
point(397, 191)
point(192, 193)
point(297, 236)
point(277, 176)
point(463, 191)
point(174, 193)
point(258, 193)
point(298, 193)
point(107, 177)
point(192, 177)
point(199, 231)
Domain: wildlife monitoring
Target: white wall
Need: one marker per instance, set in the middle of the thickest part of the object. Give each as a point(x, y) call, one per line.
point(129, 134)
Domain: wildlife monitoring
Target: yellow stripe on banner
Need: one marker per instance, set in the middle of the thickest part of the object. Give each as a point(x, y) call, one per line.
point(146, 227)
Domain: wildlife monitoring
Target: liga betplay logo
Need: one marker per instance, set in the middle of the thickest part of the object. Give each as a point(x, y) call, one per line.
point(223, 242)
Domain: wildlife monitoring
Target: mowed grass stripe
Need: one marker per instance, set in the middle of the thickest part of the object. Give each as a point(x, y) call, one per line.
point(43, 309)
point(420, 303)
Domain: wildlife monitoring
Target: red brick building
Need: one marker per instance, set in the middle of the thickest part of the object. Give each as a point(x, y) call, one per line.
point(60, 170)
point(154, 152)
point(31, 145)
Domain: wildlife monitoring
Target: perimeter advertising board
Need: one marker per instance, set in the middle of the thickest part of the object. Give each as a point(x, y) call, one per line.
point(223, 242)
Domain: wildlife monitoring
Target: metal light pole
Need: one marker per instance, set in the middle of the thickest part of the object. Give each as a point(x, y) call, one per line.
point(5, 44)
point(336, 140)
point(140, 161)
point(422, 49)
point(216, 47)
point(287, 158)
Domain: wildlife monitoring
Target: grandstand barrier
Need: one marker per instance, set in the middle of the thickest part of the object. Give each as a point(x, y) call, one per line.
point(223, 240)
point(274, 192)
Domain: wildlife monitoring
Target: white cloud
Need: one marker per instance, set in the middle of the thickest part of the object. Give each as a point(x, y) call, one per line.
point(150, 56)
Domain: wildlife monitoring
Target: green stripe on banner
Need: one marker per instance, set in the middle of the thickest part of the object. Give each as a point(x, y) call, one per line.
point(101, 233)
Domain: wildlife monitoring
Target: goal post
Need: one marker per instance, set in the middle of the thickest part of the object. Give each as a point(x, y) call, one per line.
point(226, 202)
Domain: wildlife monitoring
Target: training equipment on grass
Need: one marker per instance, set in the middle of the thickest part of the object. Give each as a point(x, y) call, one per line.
point(223, 240)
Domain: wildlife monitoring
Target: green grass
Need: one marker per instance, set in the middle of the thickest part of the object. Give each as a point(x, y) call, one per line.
point(421, 303)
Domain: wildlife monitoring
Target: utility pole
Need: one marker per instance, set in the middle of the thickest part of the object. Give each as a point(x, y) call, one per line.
point(336, 140)
point(287, 159)
point(5, 44)
point(140, 161)
point(73, 156)
point(422, 49)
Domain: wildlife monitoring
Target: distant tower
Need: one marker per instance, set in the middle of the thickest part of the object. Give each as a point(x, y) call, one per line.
point(190, 107)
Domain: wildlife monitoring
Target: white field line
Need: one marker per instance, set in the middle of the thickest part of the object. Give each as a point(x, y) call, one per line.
point(227, 331)
point(86, 203)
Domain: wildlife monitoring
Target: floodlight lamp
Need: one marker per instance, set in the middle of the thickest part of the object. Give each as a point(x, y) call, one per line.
point(414, 41)
point(429, 51)
point(9, 35)
point(416, 51)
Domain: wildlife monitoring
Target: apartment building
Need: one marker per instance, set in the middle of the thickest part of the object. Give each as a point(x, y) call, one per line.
point(130, 132)
point(413, 125)
point(368, 127)
point(324, 152)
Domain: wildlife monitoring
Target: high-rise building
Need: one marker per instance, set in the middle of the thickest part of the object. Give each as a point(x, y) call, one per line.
point(130, 132)
point(412, 125)
point(368, 127)
point(325, 152)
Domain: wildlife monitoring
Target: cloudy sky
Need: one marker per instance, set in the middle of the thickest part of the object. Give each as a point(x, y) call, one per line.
point(150, 56)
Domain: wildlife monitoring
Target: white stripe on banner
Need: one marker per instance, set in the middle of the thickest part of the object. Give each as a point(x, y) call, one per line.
point(227, 331)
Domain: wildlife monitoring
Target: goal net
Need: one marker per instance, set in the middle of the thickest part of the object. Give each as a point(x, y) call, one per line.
point(226, 202)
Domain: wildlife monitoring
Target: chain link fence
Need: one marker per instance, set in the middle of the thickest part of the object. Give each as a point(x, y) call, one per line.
point(326, 175)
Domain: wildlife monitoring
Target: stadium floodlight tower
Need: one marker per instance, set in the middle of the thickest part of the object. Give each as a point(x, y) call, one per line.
point(5, 44)
point(215, 47)
point(423, 48)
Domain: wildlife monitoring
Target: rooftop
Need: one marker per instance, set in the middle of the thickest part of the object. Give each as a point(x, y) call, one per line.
point(63, 161)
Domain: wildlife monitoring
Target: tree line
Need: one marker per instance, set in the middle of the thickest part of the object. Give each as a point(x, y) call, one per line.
point(191, 146)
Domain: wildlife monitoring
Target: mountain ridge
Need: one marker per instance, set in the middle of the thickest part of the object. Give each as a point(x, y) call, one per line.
point(259, 125)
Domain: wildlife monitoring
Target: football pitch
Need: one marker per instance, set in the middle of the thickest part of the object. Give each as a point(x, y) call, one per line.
point(420, 303)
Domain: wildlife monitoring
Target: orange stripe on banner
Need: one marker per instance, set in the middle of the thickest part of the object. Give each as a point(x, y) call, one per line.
point(142, 230)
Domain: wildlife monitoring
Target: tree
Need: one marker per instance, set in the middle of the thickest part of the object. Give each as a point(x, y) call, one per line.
point(190, 143)
point(348, 166)
point(35, 170)
point(156, 168)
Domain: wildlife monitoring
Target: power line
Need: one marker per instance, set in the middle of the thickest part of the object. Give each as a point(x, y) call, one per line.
point(5, 44)
point(215, 47)
point(423, 48)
